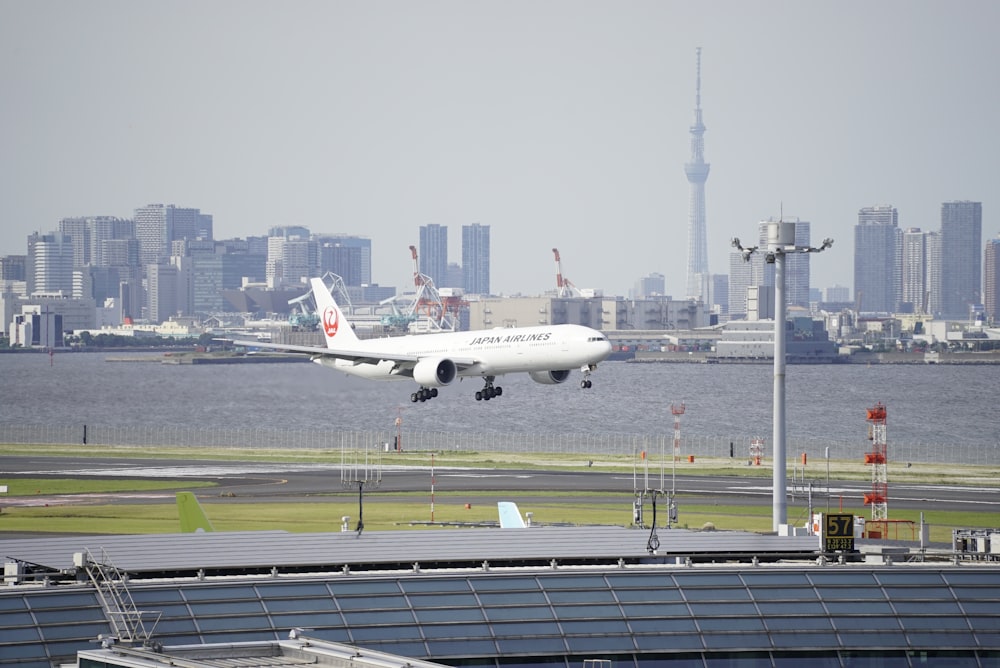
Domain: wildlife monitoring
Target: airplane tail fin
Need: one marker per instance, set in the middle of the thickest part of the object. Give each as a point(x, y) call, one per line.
point(336, 329)
point(193, 517)
point(510, 516)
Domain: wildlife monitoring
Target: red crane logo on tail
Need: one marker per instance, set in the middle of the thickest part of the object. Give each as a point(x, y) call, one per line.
point(331, 321)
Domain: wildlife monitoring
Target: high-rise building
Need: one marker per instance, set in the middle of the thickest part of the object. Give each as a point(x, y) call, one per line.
point(991, 280)
point(913, 272)
point(740, 279)
point(877, 250)
point(654, 285)
point(476, 259)
point(292, 255)
point(49, 268)
point(434, 252)
point(961, 257)
point(719, 295)
point(156, 226)
point(344, 261)
point(13, 267)
point(838, 294)
point(697, 173)
point(348, 256)
point(454, 276)
point(797, 265)
point(90, 235)
point(163, 292)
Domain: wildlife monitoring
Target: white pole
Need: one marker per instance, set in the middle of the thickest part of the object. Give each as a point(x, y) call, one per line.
point(779, 510)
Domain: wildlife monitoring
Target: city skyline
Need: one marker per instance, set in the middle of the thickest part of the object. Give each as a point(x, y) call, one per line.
point(559, 125)
point(883, 269)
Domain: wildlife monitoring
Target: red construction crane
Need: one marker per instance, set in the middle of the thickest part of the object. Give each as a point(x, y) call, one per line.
point(564, 288)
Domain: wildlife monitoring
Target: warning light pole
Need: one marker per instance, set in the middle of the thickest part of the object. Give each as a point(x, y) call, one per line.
point(780, 242)
point(878, 499)
point(677, 412)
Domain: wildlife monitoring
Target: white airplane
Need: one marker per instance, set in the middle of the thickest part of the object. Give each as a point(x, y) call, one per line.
point(546, 353)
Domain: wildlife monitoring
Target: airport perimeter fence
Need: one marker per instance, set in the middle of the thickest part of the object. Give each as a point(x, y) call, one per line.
point(657, 446)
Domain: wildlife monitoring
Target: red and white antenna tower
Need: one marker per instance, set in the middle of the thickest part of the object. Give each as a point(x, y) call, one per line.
point(677, 411)
point(879, 497)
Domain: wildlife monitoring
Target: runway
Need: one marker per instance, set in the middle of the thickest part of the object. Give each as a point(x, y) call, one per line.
point(286, 482)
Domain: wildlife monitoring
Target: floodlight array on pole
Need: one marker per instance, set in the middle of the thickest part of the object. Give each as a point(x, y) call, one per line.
point(780, 242)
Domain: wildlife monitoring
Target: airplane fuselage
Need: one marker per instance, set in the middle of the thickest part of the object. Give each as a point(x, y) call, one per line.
point(496, 351)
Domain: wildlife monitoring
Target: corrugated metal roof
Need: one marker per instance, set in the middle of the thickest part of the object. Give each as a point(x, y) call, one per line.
point(264, 550)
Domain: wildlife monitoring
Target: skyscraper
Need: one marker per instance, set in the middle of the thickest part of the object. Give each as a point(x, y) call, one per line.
point(49, 267)
point(741, 277)
point(991, 280)
point(914, 275)
point(348, 256)
point(961, 258)
point(156, 226)
point(877, 250)
point(476, 258)
point(697, 174)
point(434, 252)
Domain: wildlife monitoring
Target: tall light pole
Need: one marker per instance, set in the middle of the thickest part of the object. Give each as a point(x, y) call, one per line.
point(780, 242)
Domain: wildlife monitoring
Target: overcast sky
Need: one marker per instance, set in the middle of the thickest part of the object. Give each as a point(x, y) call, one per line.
point(559, 124)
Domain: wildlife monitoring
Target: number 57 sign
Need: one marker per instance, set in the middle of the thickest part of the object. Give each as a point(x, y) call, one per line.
point(838, 532)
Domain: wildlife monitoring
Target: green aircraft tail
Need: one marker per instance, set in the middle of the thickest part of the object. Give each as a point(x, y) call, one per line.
point(193, 518)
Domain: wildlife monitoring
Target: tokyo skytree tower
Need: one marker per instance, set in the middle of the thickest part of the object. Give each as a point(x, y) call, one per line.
point(697, 174)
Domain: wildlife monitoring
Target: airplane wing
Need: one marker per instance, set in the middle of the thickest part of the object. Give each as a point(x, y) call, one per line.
point(356, 356)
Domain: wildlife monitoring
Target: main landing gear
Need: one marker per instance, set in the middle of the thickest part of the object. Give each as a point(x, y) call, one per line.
point(488, 392)
point(585, 383)
point(423, 394)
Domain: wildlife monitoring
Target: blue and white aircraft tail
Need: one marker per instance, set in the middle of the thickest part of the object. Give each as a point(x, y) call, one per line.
point(510, 516)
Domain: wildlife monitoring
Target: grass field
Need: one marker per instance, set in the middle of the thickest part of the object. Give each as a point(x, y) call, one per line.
point(383, 511)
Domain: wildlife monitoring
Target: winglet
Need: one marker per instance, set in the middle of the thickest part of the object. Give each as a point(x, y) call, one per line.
point(510, 516)
point(336, 329)
point(193, 518)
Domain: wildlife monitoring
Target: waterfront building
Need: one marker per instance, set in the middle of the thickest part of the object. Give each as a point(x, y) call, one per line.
point(49, 267)
point(877, 249)
point(991, 280)
point(961, 258)
point(476, 259)
point(433, 255)
point(163, 292)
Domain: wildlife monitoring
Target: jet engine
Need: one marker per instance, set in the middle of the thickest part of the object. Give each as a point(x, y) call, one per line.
point(435, 372)
point(549, 377)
